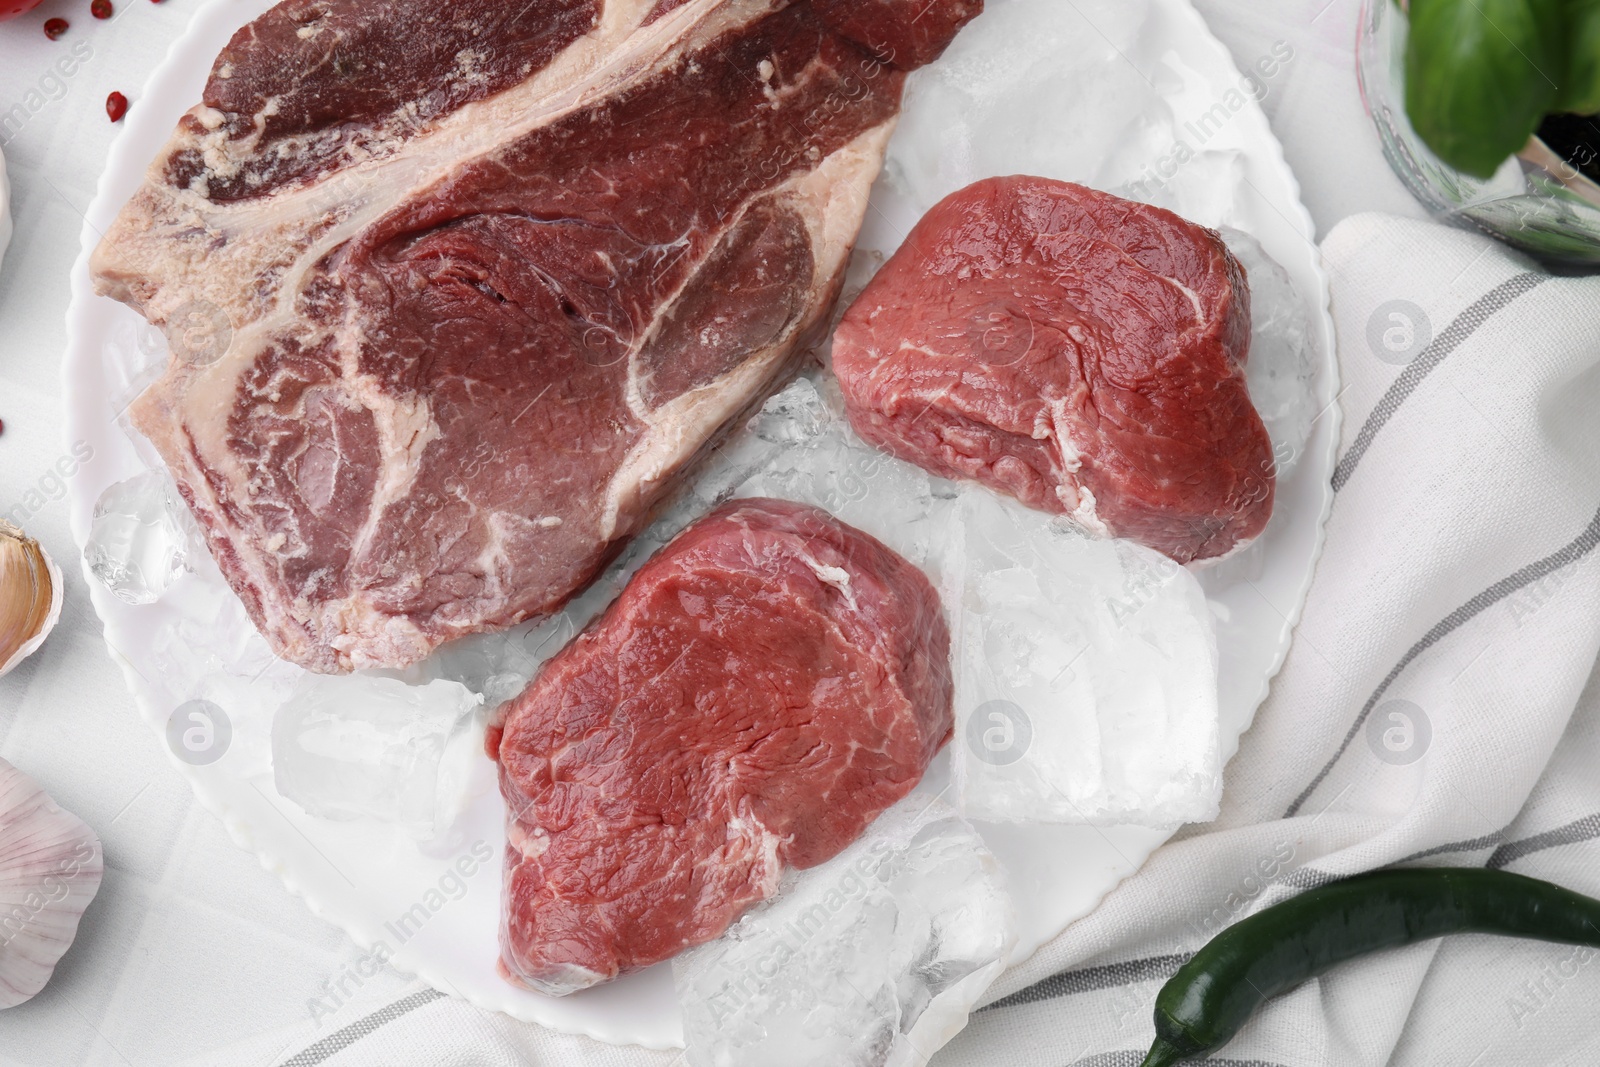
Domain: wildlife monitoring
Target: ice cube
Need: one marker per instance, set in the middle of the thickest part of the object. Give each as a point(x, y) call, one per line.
point(134, 357)
point(139, 538)
point(799, 413)
point(781, 422)
point(1000, 101)
point(1205, 188)
point(496, 666)
point(874, 958)
point(826, 465)
point(371, 747)
point(1282, 368)
point(1086, 676)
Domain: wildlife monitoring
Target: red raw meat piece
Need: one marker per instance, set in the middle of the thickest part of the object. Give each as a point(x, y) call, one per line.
point(1082, 353)
point(762, 689)
point(459, 289)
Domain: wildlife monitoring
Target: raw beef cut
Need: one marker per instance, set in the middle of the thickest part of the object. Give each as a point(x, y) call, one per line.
point(457, 288)
point(764, 687)
point(884, 28)
point(1083, 353)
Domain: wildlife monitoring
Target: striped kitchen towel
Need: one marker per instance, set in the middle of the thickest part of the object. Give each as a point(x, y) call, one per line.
point(1436, 708)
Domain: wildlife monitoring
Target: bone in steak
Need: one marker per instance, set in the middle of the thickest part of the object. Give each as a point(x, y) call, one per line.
point(762, 689)
point(1083, 353)
point(457, 288)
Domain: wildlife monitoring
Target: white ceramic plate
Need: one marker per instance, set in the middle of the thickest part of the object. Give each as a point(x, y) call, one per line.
point(1120, 85)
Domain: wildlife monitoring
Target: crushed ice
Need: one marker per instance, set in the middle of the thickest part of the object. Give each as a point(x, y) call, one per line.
point(1282, 369)
point(367, 747)
point(873, 959)
point(1086, 676)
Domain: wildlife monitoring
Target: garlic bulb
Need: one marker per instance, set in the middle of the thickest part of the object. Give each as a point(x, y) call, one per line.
point(30, 596)
point(50, 869)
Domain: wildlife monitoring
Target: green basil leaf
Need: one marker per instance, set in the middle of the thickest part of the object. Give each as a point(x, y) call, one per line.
point(1481, 74)
point(1580, 91)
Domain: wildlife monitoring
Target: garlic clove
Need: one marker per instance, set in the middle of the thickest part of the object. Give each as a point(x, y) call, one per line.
point(50, 869)
point(30, 596)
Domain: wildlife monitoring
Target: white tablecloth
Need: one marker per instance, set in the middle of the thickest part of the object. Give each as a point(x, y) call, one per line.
point(193, 954)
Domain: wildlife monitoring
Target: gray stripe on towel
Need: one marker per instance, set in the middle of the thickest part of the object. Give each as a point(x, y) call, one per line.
point(1132, 1058)
point(1571, 553)
point(1088, 979)
point(1585, 829)
point(1471, 845)
point(1464, 326)
point(340, 1040)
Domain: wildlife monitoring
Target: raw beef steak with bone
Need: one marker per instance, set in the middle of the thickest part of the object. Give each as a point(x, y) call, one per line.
point(762, 689)
point(474, 282)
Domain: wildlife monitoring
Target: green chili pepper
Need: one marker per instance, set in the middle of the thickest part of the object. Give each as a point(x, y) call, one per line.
point(1273, 951)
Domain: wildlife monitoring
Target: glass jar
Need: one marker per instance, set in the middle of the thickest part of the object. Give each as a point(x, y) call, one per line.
point(1536, 201)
